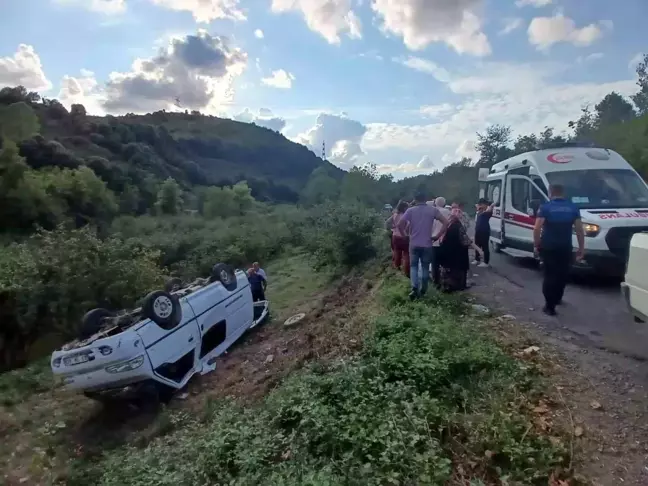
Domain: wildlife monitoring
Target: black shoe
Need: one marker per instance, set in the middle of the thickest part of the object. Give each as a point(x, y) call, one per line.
point(413, 295)
point(560, 302)
point(549, 311)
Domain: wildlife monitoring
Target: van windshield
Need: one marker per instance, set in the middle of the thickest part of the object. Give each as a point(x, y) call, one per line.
point(602, 188)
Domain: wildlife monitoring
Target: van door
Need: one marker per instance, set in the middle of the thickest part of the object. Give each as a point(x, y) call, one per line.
point(493, 192)
point(523, 196)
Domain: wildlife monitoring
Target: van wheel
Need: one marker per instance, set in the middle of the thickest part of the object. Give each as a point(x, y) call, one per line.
point(162, 308)
point(173, 284)
point(223, 273)
point(93, 321)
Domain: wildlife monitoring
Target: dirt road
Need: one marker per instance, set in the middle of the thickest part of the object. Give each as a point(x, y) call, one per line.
point(594, 312)
point(600, 360)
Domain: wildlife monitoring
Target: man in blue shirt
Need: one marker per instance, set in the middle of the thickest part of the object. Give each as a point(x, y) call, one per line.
point(257, 284)
point(552, 238)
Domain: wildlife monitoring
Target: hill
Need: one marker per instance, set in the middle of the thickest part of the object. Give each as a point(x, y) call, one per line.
point(192, 148)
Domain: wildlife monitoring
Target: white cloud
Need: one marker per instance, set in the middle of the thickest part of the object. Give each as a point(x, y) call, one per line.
point(510, 25)
point(526, 97)
point(329, 18)
point(264, 118)
point(425, 66)
point(279, 79)
point(341, 136)
point(590, 57)
point(545, 31)
point(426, 162)
point(84, 90)
point(24, 68)
point(258, 34)
point(420, 23)
point(533, 3)
point(436, 111)
point(204, 11)
point(634, 62)
point(195, 72)
point(108, 7)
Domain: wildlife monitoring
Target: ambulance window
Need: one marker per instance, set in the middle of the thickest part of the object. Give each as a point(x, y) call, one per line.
point(540, 183)
point(493, 194)
point(519, 194)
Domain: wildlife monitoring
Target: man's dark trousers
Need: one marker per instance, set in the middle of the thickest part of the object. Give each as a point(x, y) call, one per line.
point(557, 263)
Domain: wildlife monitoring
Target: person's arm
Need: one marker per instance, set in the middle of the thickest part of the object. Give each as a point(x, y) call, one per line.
point(389, 222)
point(444, 222)
point(490, 208)
point(264, 282)
point(402, 224)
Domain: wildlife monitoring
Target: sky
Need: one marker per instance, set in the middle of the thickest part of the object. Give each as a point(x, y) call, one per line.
point(404, 84)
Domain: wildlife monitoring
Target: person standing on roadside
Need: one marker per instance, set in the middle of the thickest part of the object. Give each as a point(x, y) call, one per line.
point(483, 231)
point(421, 218)
point(438, 230)
point(261, 271)
point(400, 240)
point(552, 239)
point(257, 285)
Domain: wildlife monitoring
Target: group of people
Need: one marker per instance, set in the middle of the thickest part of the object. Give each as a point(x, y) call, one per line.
point(432, 237)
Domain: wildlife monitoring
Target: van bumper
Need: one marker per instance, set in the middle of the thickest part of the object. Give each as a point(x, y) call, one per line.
point(600, 262)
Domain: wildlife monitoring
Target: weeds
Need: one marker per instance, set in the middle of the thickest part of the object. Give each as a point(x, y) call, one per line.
point(429, 400)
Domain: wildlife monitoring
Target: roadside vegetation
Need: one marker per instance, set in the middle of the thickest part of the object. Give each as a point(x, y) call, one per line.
point(429, 399)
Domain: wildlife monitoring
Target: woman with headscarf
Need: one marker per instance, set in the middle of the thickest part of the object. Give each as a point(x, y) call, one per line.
point(453, 254)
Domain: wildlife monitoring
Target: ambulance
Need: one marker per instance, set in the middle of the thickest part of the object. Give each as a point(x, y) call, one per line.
point(611, 196)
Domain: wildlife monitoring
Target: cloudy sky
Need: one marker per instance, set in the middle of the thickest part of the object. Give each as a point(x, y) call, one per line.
point(405, 84)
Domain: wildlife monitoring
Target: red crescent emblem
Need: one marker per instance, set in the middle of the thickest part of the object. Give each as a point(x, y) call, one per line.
point(559, 158)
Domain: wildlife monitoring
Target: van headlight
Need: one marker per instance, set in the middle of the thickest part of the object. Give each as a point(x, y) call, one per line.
point(591, 230)
point(129, 365)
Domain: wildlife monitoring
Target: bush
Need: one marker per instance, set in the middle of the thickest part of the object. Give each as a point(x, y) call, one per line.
point(341, 234)
point(48, 282)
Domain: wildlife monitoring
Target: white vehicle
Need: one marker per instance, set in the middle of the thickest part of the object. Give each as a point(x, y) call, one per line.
point(612, 197)
point(157, 348)
point(635, 287)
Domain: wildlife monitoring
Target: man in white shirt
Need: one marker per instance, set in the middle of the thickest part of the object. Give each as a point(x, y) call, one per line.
point(440, 203)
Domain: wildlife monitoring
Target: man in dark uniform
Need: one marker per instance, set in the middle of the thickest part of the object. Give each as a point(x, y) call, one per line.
point(552, 238)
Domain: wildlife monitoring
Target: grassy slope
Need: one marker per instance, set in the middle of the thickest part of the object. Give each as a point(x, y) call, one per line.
point(430, 399)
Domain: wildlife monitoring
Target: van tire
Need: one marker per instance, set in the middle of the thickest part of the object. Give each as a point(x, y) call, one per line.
point(225, 274)
point(92, 322)
point(162, 308)
point(173, 284)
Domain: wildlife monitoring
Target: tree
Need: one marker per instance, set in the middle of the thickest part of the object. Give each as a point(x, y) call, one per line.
point(640, 99)
point(493, 146)
point(17, 94)
point(613, 109)
point(169, 198)
point(584, 127)
point(320, 187)
point(18, 121)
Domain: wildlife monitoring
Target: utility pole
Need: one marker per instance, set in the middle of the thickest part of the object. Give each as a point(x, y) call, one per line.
point(323, 150)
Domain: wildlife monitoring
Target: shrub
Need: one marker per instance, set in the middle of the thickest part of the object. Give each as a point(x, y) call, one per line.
point(49, 281)
point(341, 234)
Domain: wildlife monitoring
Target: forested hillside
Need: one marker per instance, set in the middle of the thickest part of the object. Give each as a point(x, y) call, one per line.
point(92, 168)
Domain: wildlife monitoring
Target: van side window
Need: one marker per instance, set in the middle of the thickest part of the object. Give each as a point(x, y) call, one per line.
point(494, 192)
point(540, 183)
point(520, 194)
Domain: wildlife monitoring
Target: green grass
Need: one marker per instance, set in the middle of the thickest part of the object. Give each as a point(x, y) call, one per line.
point(17, 385)
point(429, 400)
point(291, 280)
